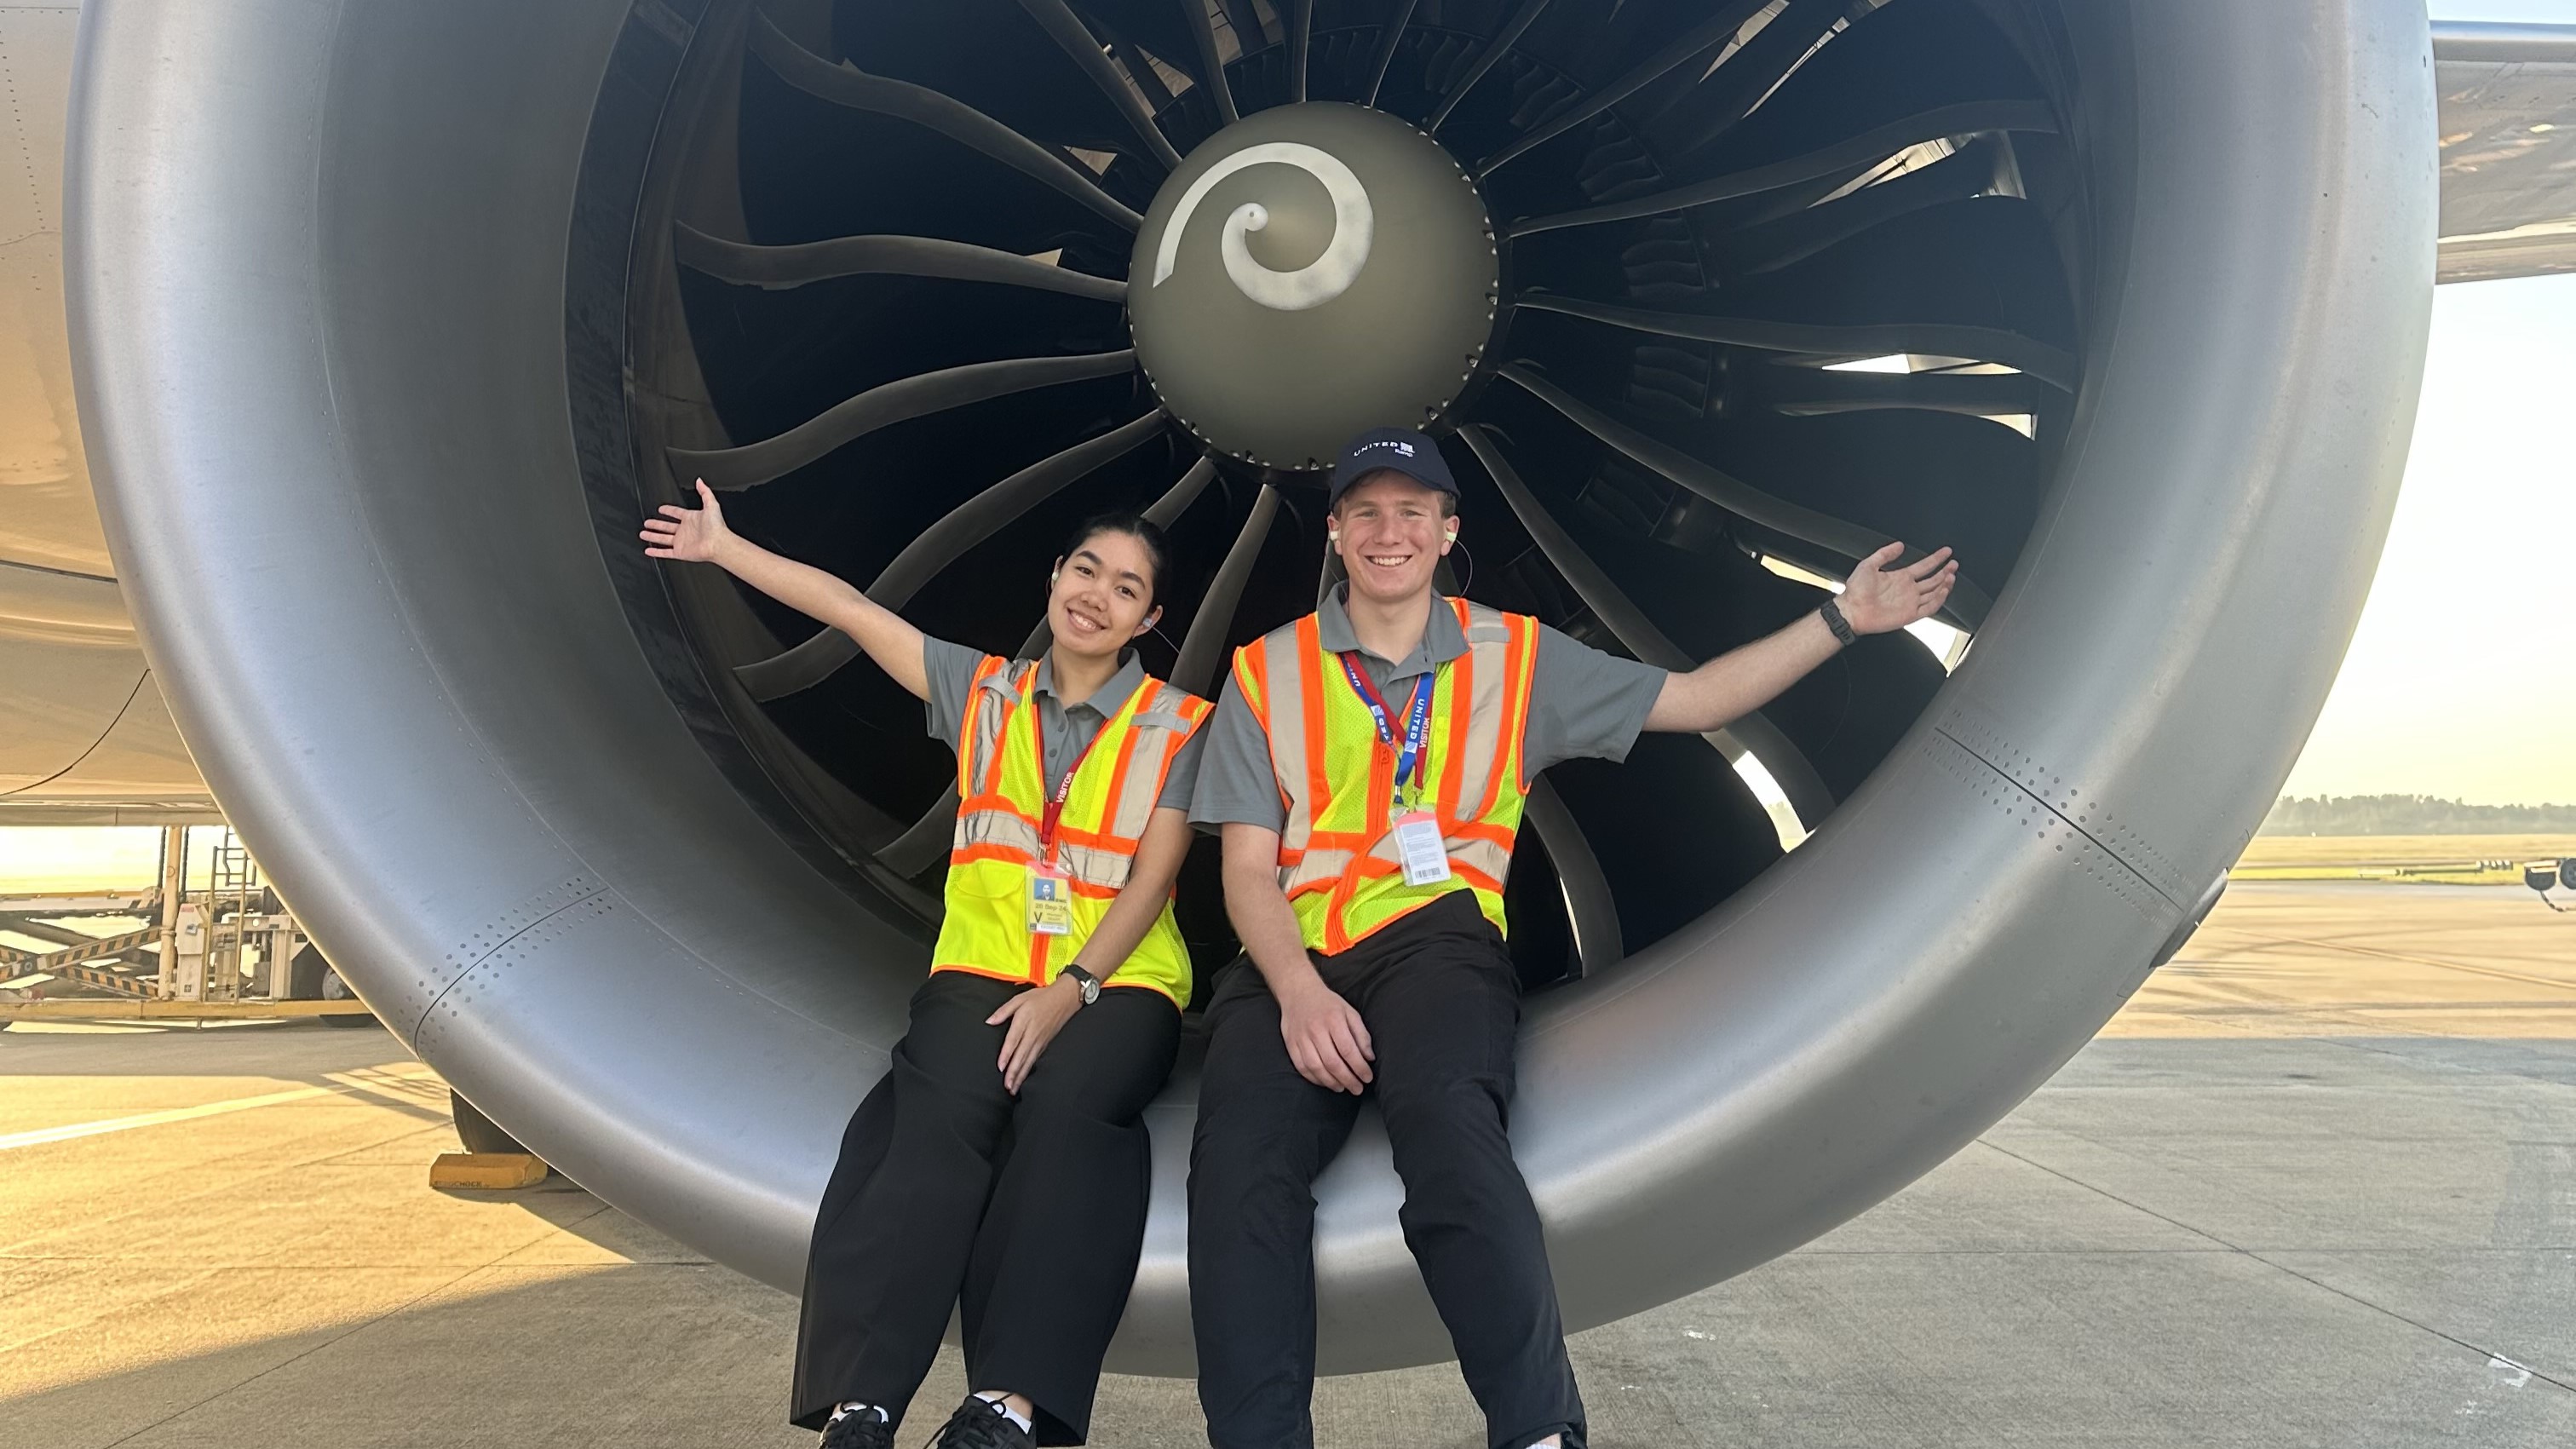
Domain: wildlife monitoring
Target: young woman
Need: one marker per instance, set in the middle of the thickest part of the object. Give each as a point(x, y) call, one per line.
point(1000, 1167)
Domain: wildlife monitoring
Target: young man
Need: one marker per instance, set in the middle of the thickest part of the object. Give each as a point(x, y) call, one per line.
point(1366, 768)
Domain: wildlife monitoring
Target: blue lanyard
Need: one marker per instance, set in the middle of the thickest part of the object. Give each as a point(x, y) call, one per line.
point(1412, 758)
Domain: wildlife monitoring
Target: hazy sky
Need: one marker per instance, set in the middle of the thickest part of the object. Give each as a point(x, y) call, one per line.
point(2561, 11)
point(2461, 680)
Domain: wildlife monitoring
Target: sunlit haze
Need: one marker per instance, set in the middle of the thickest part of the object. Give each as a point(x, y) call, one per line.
point(2461, 680)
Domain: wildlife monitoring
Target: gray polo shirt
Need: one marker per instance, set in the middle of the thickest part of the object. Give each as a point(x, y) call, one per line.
point(1583, 704)
point(1063, 729)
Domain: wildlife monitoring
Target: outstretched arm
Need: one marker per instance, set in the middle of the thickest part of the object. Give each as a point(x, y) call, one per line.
point(1734, 684)
point(1327, 1041)
point(699, 535)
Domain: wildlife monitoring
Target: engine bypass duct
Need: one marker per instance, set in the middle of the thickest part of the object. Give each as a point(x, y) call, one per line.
point(390, 320)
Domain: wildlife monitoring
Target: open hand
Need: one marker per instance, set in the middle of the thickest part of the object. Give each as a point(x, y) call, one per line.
point(1326, 1039)
point(1035, 1017)
point(1881, 596)
point(687, 533)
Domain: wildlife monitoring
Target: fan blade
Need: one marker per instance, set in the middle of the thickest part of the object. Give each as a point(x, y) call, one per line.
point(1068, 31)
point(1697, 41)
point(1203, 647)
point(777, 268)
point(1495, 49)
point(1301, 26)
point(1753, 734)
point(849, 86)
point(911, 853)
point(1771, 245)
point(1985, 344)
point(1177, 499)
point(1941, 122)
point(1811, 392)
point(733, 469)
point(938, 546)
point(1132, 59)
point(1388, 36)
point(1848, 540)
point(1748, 77)
point(1597, 942)
point(1211, 66)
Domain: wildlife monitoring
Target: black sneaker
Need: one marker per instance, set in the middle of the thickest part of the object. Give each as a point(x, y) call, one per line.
point(859, 1429)
point(981, 1424)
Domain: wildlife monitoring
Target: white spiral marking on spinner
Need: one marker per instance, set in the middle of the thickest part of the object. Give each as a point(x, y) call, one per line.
point(1312, 285)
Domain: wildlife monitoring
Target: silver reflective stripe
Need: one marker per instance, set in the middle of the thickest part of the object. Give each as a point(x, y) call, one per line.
point(990, 716)
point(1483, 855)
point(1155, 729)
point(1284, 711)
point(1093, 866)
point(1479, 754)
point(1318, 865)
point(996, 827)
point(1089, 864)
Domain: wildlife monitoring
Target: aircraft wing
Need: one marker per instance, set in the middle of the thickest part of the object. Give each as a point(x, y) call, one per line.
point(84, 736)
point(2508, 106)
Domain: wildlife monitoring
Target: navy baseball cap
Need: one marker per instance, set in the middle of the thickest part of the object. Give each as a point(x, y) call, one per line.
point(1403, 450)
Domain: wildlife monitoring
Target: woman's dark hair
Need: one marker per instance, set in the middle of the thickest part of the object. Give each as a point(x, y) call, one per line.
point(1148, 534)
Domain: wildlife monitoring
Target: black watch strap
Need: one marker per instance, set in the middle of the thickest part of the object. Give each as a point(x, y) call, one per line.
point(1089, 983)
point(1834, 620)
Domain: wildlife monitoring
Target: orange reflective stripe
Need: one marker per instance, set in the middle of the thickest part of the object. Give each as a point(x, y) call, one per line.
point(1000, 803)
point(970, 747)
point(1117, 791)
point(1097, 840)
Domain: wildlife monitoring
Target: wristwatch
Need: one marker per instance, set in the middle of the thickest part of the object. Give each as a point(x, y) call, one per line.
point(1834, 620)
point(1089, 983)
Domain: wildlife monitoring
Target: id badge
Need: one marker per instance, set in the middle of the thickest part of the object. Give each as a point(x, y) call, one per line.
point(1050, 902)
point(1418, 846)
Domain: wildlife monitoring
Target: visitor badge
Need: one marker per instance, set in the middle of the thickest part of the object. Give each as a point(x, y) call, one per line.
point(1050, 901)
point(1419, 848)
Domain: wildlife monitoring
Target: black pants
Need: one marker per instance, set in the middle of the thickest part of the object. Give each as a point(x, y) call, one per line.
point(1442, 1005)
point(1028, 1213)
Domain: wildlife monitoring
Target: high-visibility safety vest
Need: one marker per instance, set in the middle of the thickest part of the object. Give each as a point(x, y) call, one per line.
point(1337, 855)
point(1003, 794)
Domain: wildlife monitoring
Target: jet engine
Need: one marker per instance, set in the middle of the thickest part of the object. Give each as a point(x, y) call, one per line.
point(391, 321)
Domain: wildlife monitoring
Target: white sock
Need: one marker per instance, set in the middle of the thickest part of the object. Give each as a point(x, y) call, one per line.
point(1016, 1417)
point(854, 1406)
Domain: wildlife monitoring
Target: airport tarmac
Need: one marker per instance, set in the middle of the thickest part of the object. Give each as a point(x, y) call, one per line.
point(2316, 1186)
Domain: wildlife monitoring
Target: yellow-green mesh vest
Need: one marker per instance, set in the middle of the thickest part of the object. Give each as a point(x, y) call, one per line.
point(1337, 857)
point(1002, 797)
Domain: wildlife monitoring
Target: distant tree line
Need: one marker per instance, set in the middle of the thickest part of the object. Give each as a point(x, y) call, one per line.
point(2411, 815)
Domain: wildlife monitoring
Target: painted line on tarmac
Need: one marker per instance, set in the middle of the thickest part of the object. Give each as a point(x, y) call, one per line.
point(43, 1135)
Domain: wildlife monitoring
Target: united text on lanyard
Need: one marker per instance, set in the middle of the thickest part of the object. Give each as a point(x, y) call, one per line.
point(1412, 759)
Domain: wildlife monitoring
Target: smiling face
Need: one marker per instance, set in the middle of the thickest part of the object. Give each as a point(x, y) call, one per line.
point(1390, 533)
point(1103, 595)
